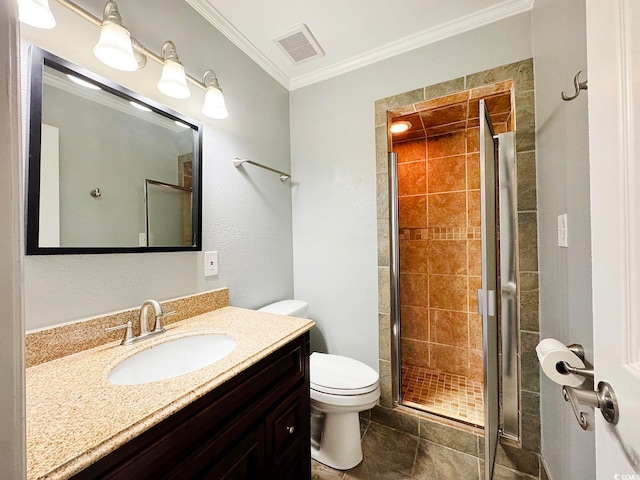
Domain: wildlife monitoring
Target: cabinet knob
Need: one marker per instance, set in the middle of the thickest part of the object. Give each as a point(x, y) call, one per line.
point(290, 429)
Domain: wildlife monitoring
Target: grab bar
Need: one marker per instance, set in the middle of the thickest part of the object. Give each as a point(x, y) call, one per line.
point(239, 161)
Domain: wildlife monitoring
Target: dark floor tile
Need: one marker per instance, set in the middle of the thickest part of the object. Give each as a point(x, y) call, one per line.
point(448, 436)
point(518, 459)
point(322, 472)
point(396, 419)
point(364, 424)
point(369, 469)
point(435, 462)
point(503, 473)
point(385, 447)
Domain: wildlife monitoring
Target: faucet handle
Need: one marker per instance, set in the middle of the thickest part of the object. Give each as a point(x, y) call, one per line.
point(128, 334)
point(158, 326)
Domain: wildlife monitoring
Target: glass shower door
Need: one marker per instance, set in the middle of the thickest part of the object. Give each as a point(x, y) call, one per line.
point(487, 297)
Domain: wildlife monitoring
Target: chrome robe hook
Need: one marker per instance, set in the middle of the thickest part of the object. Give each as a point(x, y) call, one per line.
point(579, 86)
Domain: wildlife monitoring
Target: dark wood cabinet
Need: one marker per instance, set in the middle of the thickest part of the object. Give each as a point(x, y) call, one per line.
point(255, 426)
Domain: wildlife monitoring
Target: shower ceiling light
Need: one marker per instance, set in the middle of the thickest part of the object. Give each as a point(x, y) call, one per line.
point(116, 48)
point(400, 127)
point(36, 13)
point(173, 81)
point(213, 106)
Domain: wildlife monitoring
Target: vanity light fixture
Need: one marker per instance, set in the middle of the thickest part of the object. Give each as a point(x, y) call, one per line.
point(118, 49)
point(213, 106)
point(82, 83)
point(400, 127)
point(114, 48)
point(36, 13)
point(173, 81)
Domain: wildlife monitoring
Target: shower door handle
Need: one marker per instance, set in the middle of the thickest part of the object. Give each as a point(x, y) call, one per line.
point(487, 303)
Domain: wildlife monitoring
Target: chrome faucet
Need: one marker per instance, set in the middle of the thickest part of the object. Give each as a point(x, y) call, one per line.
point(129, 337)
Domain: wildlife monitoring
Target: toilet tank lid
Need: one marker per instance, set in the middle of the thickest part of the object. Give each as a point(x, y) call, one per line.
point(293, 308)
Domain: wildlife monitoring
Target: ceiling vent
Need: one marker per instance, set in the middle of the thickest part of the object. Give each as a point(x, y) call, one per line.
point(299, 44)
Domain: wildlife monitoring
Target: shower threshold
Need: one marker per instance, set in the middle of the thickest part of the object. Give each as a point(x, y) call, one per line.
point(444, 394)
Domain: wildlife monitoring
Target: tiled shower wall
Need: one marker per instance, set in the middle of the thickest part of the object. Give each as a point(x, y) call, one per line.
point(439, 223)
point(513, 456)
point(439, 220)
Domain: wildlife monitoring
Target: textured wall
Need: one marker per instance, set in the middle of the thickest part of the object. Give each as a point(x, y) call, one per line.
point(12, 434)
point(559, 43)
point(246, 213)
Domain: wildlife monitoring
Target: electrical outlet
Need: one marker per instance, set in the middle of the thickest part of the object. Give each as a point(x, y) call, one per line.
point(142, 239)
point(563, 231)
point(210, 263)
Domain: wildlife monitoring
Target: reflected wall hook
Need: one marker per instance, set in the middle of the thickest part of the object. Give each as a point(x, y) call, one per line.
point(579, 86)
point(95, 193)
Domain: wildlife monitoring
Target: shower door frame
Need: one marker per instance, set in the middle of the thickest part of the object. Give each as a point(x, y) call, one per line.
point(506, 182)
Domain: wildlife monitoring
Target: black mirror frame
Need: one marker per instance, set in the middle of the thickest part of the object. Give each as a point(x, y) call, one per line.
point(40, 58)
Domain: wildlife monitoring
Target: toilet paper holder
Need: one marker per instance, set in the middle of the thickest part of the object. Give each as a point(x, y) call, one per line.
point(603, 398)
point(565, 368)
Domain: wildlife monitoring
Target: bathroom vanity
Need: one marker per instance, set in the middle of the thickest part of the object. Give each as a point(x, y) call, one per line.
point(244, 417)
point(255, 426)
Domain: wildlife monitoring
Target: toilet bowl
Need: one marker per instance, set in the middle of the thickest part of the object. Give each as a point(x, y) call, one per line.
point(341, 388)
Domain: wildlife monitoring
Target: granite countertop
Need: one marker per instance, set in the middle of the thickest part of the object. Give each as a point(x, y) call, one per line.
point(75, 416)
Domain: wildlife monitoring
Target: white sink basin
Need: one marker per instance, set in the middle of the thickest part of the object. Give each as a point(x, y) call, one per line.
point(172, 359)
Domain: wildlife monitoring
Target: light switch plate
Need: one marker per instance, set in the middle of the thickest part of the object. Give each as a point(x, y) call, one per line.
point(563, 231)
point(210, 263)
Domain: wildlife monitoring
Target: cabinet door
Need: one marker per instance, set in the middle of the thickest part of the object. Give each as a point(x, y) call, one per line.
point(234, 457)
point(244, 462)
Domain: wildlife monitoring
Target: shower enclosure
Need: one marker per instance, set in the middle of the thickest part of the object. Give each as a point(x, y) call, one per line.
point(453, 266)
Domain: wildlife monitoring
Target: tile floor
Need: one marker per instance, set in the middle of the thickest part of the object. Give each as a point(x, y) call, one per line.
point(393, 455)
point(444, 394)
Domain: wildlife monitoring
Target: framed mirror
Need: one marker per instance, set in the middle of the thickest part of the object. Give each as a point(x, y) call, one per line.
point(109, 171)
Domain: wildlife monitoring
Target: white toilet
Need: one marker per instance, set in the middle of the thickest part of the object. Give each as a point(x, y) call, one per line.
point(341, 387)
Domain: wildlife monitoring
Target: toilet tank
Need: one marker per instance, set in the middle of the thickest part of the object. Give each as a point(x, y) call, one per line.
point(291, 308)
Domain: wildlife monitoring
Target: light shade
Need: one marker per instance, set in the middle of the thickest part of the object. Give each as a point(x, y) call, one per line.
point(36, 13)
point(173, 81)
point(114, 48)
point(213, 105)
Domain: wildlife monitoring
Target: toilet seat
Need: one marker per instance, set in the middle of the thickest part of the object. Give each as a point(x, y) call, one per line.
point(338, 375)
point(341, 391)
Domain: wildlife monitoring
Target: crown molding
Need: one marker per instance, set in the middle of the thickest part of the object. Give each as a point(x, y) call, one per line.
point(215, 18)
point(464, 24)
point(505, 9)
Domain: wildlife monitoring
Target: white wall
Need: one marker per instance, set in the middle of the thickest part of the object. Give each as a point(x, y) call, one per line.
point(12, 429)
point(333, 165)
point(559, 43)
point(247, 216)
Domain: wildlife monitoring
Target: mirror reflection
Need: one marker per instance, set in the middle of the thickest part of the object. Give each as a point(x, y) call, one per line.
point(115, 172)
